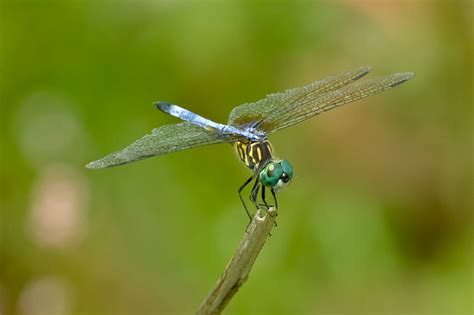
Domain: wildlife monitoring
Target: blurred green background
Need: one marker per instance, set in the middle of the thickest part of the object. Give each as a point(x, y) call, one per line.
point(378, 218)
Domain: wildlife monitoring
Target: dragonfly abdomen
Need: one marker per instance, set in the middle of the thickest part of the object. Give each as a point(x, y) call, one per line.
point(252, 153)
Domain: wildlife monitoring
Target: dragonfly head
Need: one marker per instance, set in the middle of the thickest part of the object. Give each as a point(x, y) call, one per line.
point(276, 174)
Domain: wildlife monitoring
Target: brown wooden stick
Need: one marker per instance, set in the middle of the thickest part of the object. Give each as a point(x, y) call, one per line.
point(238, 268)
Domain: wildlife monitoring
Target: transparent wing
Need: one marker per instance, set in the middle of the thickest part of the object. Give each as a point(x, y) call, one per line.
point(162, 140)
point(252, 113)
point(312, 105)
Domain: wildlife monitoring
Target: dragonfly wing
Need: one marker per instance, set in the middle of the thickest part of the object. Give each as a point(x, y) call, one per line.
point(253, 113)
point(312, 105)
point(162, 140)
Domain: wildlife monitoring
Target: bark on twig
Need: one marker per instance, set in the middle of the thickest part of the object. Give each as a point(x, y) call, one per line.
point(238, 268)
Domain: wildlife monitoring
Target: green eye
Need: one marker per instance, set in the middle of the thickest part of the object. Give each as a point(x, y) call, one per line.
point(271, 174)
point(287, 169)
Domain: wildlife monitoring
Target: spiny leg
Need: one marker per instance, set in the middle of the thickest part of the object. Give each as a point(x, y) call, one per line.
point(266, 204)
point(263, 197)
point(253, 198)
point(274, 198)
point(254, 193)
point(242, 199)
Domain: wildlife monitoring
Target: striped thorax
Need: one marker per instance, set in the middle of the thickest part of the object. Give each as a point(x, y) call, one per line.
point(252, 153)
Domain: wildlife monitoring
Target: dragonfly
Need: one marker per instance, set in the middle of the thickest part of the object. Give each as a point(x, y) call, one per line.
point(250, 124)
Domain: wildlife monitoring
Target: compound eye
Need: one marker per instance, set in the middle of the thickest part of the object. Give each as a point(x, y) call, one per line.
point(287, 169)
point(270, 175)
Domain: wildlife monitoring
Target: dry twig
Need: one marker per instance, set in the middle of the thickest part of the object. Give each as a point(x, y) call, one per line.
point(238, 268)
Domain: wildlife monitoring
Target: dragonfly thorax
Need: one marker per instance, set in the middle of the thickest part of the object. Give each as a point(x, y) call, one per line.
point(254, 153)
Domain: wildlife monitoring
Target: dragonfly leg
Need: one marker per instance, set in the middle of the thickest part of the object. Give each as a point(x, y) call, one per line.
point(266, 204)
point(274, 198)
point(253, 198)
point(263, 198)
point(242, 199)
point(254, 193)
